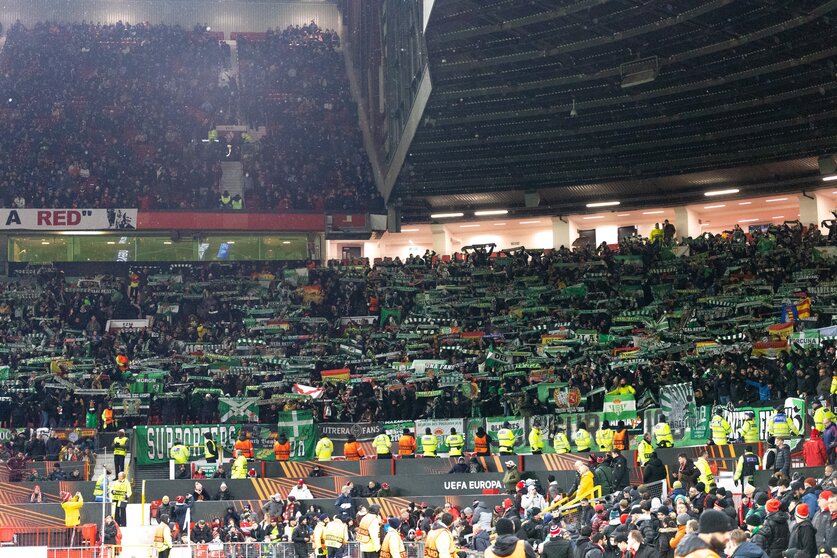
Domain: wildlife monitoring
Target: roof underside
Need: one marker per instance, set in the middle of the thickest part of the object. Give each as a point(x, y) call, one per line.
point(740, 92)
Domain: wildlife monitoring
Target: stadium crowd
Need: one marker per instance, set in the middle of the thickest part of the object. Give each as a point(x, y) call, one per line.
point(114, 116)
point(295, 83)
point(268, 317)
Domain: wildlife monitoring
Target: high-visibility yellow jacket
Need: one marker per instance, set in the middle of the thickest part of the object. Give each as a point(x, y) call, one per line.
point(582, 440)
point(604, 439)
point(429, 444)
point(324, 449)
point(536, 439)
point(662, 433)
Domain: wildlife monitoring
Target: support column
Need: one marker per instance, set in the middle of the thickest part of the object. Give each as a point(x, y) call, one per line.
point(563, 232)
point(686, 223)
point(813, 208)
point(441, 239)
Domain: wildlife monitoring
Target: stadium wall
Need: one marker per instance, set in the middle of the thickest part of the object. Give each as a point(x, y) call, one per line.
point(225, 16)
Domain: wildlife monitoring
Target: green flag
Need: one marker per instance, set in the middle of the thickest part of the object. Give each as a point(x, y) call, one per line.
point(299, 427)
point(619, 407)
point(238, 409)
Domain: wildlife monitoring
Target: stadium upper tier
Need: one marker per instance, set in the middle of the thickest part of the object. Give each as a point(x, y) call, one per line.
point(117, 116)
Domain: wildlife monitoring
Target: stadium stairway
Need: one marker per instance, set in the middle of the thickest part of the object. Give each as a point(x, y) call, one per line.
point(232, 179)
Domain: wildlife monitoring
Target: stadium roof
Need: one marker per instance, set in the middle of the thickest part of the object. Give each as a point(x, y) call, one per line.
point(643, 101)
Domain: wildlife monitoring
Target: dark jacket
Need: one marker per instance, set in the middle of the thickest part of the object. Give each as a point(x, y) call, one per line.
point(663, 546)
point(688, 474)
point(654, 471)
point(298, 536)
point(201, 534)
point(223, 495)
point(803, 538)
point(620, 472)
point(650, 529)
point(110, 532)
point(558, 547)
point(776, 533)
point(481, 541)
point(504, 545)
point(646, 551)
point(581, 546)
point(783, 460)
point(822, 525)
point(749, 550)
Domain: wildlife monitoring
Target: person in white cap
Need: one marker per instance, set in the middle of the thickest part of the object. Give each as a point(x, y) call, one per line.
point(301, 491)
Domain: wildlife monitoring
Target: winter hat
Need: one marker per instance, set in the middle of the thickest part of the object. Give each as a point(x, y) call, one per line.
point(761, 499)
point(547, 517)
point(826, 494)
point(623, 518)
point(504, 526)
point(683, 518)
point(797, 485)
point(300, 482)
point(385, 485)
point(753, 520)
point(555, 531)
point(394, 522)
point(507, 503)
point(467, 511)
point(773, 505)
point(677, 484)
point(814, 432)
point(713, 521)
point(802, 511)
point(599, 508)
point(521, 485)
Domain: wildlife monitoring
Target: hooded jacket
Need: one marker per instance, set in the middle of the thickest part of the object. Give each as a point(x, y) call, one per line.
point(510, 479)
point(504, 545)
point(776, 533)
point(749, 550)
point(814, 453)
point(482, 516)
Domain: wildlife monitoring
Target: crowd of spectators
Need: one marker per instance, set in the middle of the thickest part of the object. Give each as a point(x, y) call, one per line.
point(272, 318)
point(294, 82)
point(115, 116)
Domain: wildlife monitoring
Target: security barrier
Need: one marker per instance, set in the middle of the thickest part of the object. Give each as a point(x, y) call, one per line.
point(215, 550)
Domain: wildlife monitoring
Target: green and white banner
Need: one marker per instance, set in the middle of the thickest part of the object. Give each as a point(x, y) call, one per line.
point(518, 426)
point(238, 409)
point(678, 404)
point(154, 442)
point(299, 427)
point(441, 429)
point(619, 407)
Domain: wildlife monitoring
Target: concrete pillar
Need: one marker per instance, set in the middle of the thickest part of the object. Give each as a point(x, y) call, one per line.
point(813, 208)
point(561, 233)
point(686, 223)
point(441, 239)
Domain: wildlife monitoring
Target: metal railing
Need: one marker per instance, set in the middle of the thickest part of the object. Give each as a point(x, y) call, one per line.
point(214, 550)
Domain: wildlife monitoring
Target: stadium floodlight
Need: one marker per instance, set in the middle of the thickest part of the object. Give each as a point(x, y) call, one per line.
point(727, 192)
point(445, 215)
point(603, 204)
